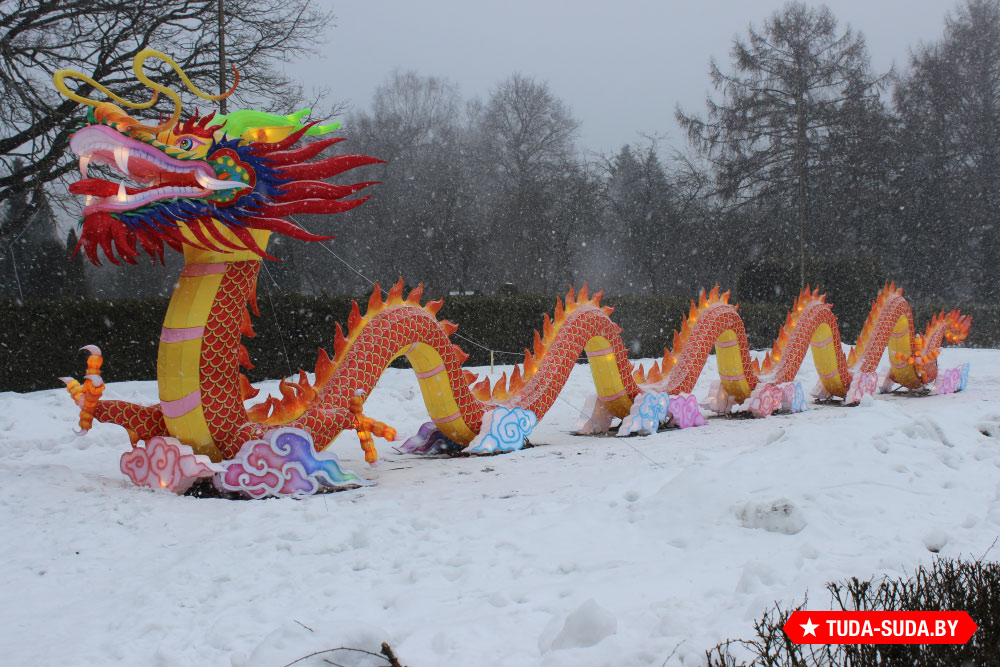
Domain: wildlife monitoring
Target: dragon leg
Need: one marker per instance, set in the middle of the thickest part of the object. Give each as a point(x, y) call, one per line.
point(141, 421)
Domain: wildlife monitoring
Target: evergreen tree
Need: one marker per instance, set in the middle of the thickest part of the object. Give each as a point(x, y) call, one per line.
point(768, 135)
point(949, 106)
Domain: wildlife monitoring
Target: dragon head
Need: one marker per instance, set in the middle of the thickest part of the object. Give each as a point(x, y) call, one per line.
point(214, 183)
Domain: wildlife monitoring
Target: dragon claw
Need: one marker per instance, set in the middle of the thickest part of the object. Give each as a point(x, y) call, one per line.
point(88, 394)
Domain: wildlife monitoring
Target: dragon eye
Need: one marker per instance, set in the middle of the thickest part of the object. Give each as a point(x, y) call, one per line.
point(187, 143)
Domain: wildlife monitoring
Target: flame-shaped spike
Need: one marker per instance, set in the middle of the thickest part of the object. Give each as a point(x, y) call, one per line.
point(638, 374)
point(655, 374)
point(354, 320)
point(678, 344)
point(324, 366)
point(286, 389)
point(714, 296)
point(340, 344)
point(243, 357)
point(693, 311)
point(260, 412)
point(246, 328)
point(529, 364)
point(852, 358)
point(596, 299)
point(570, 297)
point(516, 382)
point(538, 346)
point(448, 327)
point(500, 388)
point(395, 294)
point(375, 301)
point(724, 297)
point(481, 389)
point(433, 307)
point(767, 365)
point(755, 365)
point(469, 377)
point(560, 314)
point(247, 390)
point(686, 324)
point(414, 296)
point(461, 354)
point(547, 328)
point(581, 296)
point(702, 299)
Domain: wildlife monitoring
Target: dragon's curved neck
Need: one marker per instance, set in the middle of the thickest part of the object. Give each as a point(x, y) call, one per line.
point(198, 363)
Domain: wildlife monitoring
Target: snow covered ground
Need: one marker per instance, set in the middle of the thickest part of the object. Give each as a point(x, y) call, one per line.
point(579, 551)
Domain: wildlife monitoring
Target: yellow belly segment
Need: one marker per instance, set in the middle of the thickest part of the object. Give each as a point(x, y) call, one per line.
point(437, 392)
point(899, 343)
point(824, 354)
point(730, 360)
point(607, 379)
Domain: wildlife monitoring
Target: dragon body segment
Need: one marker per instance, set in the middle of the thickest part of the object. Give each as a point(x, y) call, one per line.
point(216, 188)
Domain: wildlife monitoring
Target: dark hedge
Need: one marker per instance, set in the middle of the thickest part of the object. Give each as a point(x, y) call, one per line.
point(40, 339)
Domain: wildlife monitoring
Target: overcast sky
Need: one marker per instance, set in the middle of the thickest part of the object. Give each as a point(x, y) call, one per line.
point(620, 65)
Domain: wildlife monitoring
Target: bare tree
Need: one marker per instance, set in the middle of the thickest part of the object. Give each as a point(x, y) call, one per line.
point(100, 38)
point(527, 137)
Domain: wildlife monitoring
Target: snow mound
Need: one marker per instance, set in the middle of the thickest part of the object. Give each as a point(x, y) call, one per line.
point(585, 626)
point(775, 516)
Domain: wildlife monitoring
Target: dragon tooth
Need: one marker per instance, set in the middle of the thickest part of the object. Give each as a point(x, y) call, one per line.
point(84, 163)
point(122, 195)
point(215, 184)
point(121, 158)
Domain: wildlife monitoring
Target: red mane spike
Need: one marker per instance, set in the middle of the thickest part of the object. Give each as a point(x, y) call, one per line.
point(298, 190)
point(302, 153)
point(313, 206)
point(199, 233)
point(199, 127)
point(327, 167)
point(217, 234)
point(244, 235)
point(287, 228)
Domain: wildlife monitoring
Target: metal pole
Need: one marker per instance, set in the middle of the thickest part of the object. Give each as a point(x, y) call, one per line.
point(222, 57)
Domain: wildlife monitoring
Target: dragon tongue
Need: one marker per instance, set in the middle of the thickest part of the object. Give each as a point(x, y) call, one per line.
point(94, 186)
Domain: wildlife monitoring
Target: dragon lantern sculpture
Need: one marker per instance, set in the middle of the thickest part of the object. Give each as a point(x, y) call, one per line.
point(216, 187)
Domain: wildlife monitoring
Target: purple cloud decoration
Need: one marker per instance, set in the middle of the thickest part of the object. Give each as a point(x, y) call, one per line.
point(166, 463)
point(952, 380)
point(430, 441)
point(862, 384)
point(685, 412)
point(285, 463)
